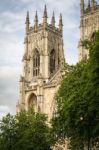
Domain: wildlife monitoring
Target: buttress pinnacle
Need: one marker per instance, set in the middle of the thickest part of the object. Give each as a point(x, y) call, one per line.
point(36, 22)
point(60, 23)
point(27, 22)
point(53, 20)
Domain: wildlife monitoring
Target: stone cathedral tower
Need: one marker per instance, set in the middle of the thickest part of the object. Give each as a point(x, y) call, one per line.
point(42, 61)
point(89, 23)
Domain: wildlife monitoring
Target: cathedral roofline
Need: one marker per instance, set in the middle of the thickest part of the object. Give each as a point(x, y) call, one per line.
point(88, 11)
point(49, 27)
point(91, 7)
point(44, 25)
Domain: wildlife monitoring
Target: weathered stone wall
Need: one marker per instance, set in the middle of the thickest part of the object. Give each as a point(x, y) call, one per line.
point(88, 24)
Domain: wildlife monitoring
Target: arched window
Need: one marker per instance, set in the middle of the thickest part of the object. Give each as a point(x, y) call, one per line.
point(36, 63)
point(52, 61)
point(32, 102)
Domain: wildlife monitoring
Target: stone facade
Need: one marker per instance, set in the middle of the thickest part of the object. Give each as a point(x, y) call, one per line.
point(88, 24)
point(42, 62)
point(44, 57)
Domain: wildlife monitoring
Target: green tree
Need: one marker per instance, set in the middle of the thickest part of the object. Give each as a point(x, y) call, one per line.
point(27, 130)
point(77, 116)
point(33, 131)
point(7, 132)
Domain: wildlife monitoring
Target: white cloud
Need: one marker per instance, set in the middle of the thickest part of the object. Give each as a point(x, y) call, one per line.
point(9, 86)
point(11, 22)
point(4, 110)
point(7, 71)
point(12, 34)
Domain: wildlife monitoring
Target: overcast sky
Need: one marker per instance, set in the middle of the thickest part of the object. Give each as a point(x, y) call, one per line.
point(12, 27)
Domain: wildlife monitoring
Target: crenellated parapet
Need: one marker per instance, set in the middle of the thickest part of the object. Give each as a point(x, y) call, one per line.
point(89, 23)
point(44, 25)
point(91, 7)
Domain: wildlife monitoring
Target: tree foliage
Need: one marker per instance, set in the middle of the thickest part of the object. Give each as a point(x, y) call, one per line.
point(27, 130)
point(77, 115)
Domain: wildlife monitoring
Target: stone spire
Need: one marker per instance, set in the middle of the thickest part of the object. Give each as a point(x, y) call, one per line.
point(36, 22)
point(45, 17)
point(27, 23)
point(93, 4)
point(81, 7)
point(60, 23)
point(53, 20)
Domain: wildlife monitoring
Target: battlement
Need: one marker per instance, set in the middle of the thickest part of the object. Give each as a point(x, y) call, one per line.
point(89, 10)
point(49, 27)
point(45, 25)
point(90, 7)
point(89, 23)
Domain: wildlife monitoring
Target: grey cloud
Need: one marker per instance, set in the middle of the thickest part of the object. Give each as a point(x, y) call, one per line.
point(11, 22)
point(9, 86)
point(4, 109)
point(12, 19)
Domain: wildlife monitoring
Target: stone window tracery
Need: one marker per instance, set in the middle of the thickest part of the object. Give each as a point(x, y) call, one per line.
point(36, 63)
point(52, 61)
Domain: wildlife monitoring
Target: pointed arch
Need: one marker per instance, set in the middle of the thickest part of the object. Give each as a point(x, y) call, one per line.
point(36, 63)
point(32, 101)
point(52, 61)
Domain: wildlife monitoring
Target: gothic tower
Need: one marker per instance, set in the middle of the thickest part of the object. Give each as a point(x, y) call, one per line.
point(42, 62)
point(88, 24)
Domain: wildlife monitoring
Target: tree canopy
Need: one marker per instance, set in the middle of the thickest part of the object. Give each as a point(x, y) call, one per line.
point(77, 115)
point(27, 130)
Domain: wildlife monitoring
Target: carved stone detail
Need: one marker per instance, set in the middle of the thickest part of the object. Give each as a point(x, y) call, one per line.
point(45, 84)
